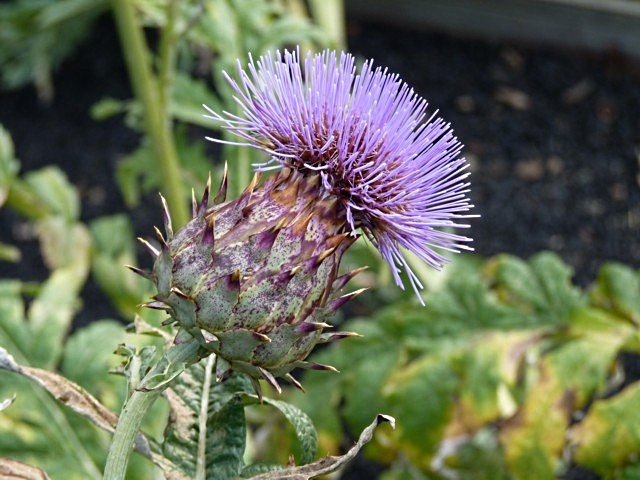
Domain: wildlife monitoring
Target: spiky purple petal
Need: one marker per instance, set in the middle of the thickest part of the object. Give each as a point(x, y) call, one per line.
point(397, 173)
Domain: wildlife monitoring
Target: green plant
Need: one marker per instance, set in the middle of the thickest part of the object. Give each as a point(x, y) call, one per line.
point(37, 35)
point(197, 39)
point(56, 410)
point(510, 372)
point(36, 329)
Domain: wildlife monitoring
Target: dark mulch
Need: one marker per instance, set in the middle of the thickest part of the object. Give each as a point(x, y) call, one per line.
point(553, 138)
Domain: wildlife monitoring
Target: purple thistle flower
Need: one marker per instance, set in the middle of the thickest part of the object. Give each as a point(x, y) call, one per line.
point(398, 174)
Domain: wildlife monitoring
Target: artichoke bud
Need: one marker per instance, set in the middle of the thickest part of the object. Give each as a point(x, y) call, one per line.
point(255, 278)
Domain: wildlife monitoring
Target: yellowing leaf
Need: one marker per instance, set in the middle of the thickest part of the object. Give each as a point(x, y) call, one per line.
point(420, 397)
point(609, 436)
point(618, 289)
point(534, 438)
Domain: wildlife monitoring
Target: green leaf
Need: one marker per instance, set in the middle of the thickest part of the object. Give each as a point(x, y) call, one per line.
point(541, 286)
point(37, 338)
point(533, 438)
point(479, 458)
point(50, 315)
point(107, 108)
point(323, 408)
point(13, 334)
point(9, 253)
point(137, 174)
point(37, 35)
point(131, 169)
point(196, 164)
point(618, 289)
point(302, 424)
point(292, 31)
point(88, 356)
point(53, 189)
point(109, 244)
point(609, 436)
point(351, 396)
point(420, 398)
point(65, 244)
point(488, 370)
point(631, 472)
point(206, 433)
point(189, 96)
point(37, 430)
point(110, 255)
point(364, 383)
point(327, 464)
point(572, 367)
point(250, 471)
point(9, 165)
point(587, 356)
point(465, 305)
point(65, 391)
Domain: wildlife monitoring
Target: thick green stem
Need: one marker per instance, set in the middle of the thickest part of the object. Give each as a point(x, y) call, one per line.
point(123, 439)
point(138, 405)
point(156, 118)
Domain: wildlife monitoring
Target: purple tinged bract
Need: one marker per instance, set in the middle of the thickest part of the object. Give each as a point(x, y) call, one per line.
point(397, 173)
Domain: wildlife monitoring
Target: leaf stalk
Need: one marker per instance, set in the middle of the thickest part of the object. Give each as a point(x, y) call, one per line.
point(151, 92)
point(139, 404)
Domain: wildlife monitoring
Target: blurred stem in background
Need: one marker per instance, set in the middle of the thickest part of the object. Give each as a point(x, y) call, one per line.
point(152, 92)
point(329, 15)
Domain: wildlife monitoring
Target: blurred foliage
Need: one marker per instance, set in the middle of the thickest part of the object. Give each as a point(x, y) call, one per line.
point(209, 37)
point(37, 35)
point(193, 42)
point(509, 372)
point(36, 325)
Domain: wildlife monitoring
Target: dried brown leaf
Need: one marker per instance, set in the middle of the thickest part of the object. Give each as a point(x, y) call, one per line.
point(79, 400)
point(327, 464)
point(14, 470)
point(65, 391)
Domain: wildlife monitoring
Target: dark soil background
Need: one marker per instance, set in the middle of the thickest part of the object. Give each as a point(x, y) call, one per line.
point(553, 138)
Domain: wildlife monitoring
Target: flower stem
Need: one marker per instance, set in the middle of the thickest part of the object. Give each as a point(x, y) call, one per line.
point(138, 405)
point(156, 119)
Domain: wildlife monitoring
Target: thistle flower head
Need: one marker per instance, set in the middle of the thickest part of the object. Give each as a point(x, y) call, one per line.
point(255, 278)
point(397, 173)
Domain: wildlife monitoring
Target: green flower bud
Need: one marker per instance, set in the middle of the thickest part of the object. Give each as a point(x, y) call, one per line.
point(255, 278)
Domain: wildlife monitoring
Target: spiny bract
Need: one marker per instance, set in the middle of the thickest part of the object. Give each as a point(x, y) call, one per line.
point(255, 278)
